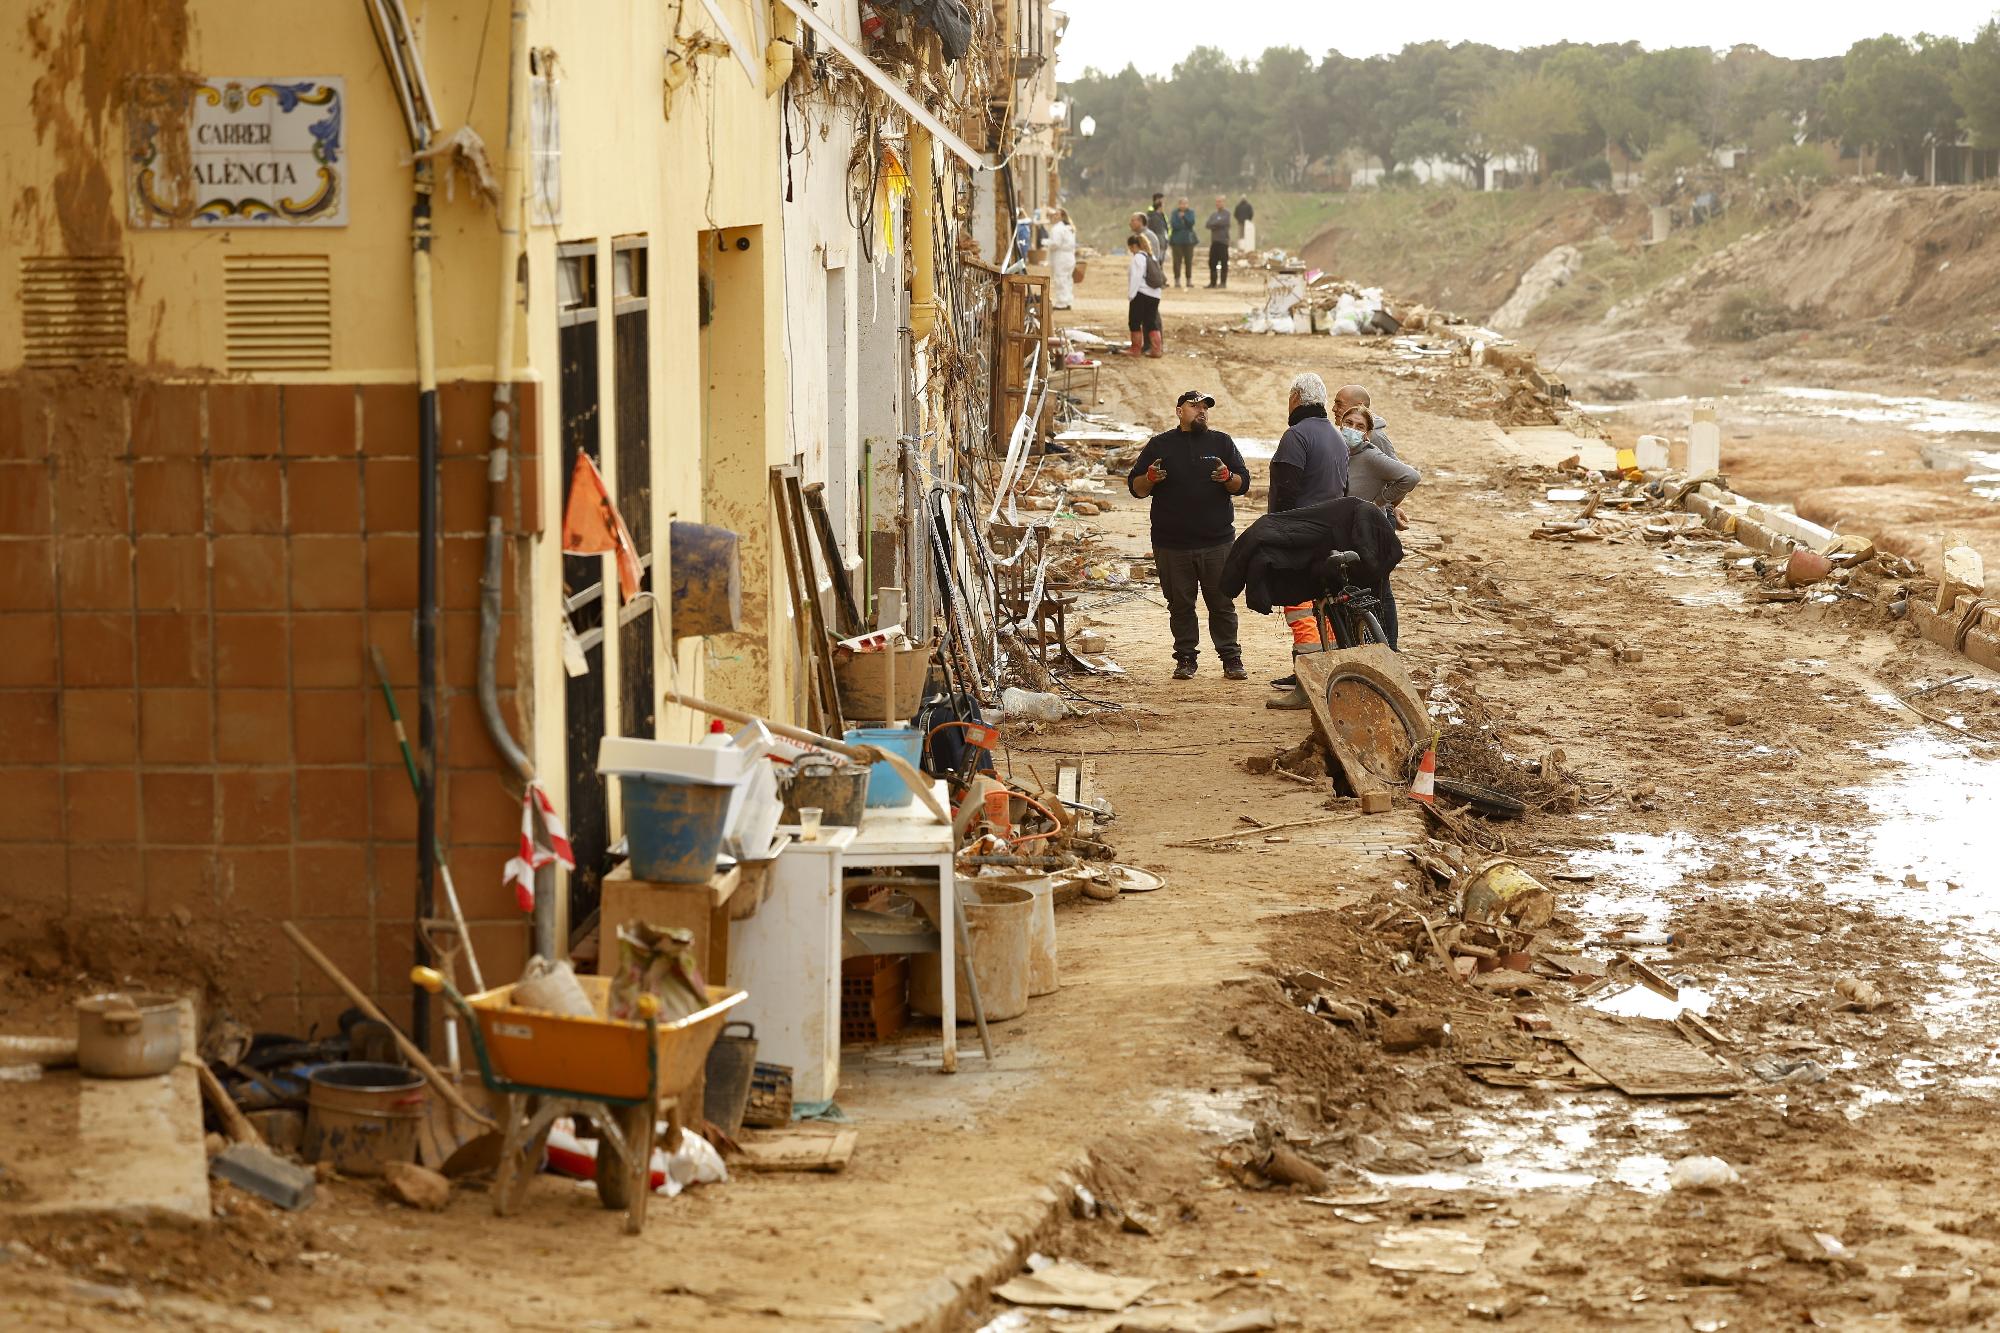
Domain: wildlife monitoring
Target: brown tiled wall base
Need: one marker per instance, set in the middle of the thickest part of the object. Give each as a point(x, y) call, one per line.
point(190, 734)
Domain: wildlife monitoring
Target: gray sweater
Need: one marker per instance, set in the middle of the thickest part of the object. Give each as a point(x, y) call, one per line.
point(1375, 474)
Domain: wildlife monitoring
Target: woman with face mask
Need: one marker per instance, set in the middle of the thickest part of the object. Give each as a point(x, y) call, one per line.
point(1374, 472)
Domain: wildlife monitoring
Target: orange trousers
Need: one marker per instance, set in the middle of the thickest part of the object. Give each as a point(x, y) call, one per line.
point(1304, 625)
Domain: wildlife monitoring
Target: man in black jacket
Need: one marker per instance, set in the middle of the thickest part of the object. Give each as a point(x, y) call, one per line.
point(1308, 468)
point(1189, 473)
point(1244, 212)
point(1218, 245)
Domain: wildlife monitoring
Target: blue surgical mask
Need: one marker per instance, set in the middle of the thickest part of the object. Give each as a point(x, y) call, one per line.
point(1353, 437)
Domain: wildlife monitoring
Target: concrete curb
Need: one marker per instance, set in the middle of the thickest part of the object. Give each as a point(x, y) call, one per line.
point(942, 1303)
point(1778, 531)
point(1758, 526)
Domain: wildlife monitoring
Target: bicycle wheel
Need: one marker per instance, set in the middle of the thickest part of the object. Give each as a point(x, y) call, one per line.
point(1351, 630)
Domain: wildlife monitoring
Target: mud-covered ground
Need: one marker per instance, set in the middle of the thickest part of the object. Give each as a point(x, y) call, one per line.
point(1745, 788)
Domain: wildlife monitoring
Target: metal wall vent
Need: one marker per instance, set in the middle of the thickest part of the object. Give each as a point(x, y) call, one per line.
point(278, 311)
point(73, 309)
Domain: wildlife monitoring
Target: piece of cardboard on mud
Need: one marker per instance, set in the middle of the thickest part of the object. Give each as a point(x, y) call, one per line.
point(1367, 711)
point(1642, 1057)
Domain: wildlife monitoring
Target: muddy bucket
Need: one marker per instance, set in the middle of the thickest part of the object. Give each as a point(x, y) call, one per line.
point(998, 917)
point(674, 828)
point(1501, 890)
point(128, 1036)
point(1042, 978)
point(361, 1117)
point(838, 790)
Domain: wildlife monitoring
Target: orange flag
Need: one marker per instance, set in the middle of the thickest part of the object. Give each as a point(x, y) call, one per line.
point(591, 524)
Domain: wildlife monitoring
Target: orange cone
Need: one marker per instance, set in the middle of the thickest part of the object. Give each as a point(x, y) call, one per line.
point(1423, 787)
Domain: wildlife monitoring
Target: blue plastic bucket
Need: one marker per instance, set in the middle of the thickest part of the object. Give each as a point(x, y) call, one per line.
point(674, 829)
point(885, 785)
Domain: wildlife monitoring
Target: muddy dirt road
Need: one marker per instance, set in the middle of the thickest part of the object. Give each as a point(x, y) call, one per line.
point(1751, 788)
point(1744, 782)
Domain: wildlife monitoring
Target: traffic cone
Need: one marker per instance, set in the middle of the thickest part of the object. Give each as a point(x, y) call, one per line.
point(1423, 787)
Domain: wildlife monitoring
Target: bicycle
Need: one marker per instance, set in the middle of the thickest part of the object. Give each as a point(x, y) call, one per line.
point(1346, 611)
point(1345, 614)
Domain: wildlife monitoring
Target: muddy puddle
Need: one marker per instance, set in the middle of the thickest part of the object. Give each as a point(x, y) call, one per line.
point(1785, 405)
point(1557, 1147)
point(1953, 435)
point(1914, 849)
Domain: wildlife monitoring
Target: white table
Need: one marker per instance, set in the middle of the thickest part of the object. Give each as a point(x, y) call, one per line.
point(787, 955)
point(910, 837)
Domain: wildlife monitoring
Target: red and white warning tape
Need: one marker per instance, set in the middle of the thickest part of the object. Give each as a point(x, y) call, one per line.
point(535, 854)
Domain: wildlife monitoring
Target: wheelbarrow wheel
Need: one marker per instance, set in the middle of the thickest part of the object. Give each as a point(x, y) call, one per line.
point(625, 1177)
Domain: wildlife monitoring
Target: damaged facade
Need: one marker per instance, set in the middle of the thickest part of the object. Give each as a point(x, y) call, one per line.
point(692, 241)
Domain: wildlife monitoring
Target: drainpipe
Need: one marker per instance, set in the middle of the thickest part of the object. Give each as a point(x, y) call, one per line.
point(427, 572)
point(923, 235)
point(500, 432)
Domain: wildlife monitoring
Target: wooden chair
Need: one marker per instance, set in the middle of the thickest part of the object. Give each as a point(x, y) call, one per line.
point(1016, 584)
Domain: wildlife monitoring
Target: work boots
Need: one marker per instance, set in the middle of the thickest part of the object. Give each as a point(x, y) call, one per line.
point(1295, 698)
point(1136, 347)
point(1153, 344)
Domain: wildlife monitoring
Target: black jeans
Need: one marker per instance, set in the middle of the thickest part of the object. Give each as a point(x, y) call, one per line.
point(1386, 612)
point(1218, 264)
point(1142, 314)
point(1183, 574)
point(1184, 262)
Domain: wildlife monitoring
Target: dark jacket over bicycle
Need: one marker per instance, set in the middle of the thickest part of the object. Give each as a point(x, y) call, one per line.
point(1276, 560)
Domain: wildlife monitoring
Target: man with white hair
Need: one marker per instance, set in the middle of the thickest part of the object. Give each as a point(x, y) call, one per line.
point(1308, 468)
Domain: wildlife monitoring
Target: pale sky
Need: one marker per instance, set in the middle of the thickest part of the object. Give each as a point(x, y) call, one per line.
point(1154, 34)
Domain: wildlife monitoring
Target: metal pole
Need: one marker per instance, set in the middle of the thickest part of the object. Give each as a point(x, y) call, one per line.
point(427, 588)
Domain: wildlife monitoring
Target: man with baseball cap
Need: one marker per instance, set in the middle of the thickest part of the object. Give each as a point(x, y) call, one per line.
point(1189, 473)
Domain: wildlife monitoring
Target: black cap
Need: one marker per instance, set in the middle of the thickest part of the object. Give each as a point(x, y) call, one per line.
point(1195, 395)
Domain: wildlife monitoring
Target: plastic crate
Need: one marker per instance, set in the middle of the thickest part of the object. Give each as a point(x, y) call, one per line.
point(874, 997)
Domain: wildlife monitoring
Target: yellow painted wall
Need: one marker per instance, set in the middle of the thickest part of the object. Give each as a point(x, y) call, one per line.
point(707, 161)
point(63, 176)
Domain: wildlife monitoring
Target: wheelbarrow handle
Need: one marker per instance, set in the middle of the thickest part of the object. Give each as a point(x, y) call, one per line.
point(435, 982)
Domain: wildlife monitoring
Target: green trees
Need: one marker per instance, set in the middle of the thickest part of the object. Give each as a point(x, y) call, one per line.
point(1286, 117)
point(1531, 113)
point(1977, 85)
point(1894, 96)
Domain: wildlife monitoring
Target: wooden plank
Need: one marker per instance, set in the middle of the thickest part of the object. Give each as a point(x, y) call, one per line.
point(836, 564)
point(802, 542)
point(1643, 1057)
point(800, 1150)
point(801, 596)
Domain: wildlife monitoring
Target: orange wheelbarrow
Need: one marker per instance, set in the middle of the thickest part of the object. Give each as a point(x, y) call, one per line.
point(620, 1075)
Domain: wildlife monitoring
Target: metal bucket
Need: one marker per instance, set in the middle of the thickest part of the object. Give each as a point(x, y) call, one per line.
point(1042, 975)
point(997, 917)
point(839, 791)
point(361, 1117)
point(128, 1036)
point(732, 1062)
